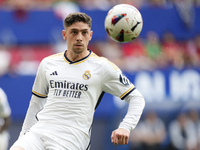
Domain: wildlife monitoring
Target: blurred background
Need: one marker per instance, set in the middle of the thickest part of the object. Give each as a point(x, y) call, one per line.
point(163, 63)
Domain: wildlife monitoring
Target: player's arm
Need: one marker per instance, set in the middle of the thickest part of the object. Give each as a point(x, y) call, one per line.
point(36, 104)
point(136, 106)
point(115, 83)
point(38, 98)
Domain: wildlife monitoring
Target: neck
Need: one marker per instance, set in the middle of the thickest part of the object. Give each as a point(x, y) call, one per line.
point(74, 56)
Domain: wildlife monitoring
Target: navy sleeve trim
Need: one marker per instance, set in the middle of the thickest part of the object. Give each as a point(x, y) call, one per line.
point(128, 93)
point(39, 95)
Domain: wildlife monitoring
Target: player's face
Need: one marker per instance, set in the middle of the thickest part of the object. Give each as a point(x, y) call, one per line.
point(78, 36)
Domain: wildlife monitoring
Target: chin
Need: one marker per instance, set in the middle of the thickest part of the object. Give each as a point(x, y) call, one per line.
point(78, 51)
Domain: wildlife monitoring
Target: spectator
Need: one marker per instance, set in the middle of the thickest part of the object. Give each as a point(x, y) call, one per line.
point(192, 52)
point(197, 46)
point(136, 137)
point(182, 133)
point(194, 116)
point(5, 60)
point(153, 49)
point(172, 50)
point(135, 55)
point(150, 134)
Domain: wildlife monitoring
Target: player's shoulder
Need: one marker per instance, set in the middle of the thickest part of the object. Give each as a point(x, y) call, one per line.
point(53, 57)
point(104, 61)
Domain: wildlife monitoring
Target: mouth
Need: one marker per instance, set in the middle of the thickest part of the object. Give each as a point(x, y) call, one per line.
point(78, 45)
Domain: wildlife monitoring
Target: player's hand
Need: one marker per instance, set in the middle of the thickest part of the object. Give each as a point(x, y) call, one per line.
point(120, 136)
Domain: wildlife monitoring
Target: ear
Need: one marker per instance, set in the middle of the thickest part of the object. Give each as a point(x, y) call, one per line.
point(64, 34)
point(91, 33)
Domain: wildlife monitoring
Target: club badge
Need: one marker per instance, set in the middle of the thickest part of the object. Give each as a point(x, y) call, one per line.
point(87, 75)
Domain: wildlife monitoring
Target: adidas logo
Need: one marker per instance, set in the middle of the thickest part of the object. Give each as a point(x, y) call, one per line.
point(54, 73)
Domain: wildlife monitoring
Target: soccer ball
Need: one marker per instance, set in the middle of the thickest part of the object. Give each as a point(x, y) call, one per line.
point(123, 23)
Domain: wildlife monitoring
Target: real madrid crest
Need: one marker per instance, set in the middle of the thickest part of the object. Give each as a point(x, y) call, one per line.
point(87, 75)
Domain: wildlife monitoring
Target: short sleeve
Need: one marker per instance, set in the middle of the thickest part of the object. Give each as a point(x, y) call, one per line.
point(114, 81)
point(40, 86)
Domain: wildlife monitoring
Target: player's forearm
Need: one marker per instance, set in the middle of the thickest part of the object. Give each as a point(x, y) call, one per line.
point(136, 106)
point(36, 104)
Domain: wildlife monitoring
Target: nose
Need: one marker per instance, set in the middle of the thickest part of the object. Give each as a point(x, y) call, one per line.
point(79, 37)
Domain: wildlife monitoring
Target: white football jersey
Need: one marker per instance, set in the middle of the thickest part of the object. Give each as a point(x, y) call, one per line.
point(73, 91)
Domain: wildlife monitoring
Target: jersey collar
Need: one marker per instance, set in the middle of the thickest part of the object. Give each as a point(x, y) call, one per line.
point(78, 61)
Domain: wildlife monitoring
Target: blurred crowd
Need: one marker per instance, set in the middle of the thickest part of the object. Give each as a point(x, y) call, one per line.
point(94, 4)
point(181, 133)
point(153, 52)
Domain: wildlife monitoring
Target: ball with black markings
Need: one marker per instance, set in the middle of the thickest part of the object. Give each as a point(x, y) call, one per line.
point(123, 23)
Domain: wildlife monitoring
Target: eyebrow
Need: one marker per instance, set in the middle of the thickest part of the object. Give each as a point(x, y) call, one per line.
point(80, 30)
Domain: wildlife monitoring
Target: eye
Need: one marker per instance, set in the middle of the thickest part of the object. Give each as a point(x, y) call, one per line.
point(84, 32)
point(74, 32)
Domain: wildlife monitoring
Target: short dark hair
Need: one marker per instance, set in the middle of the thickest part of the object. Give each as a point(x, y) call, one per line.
point(77, 17)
